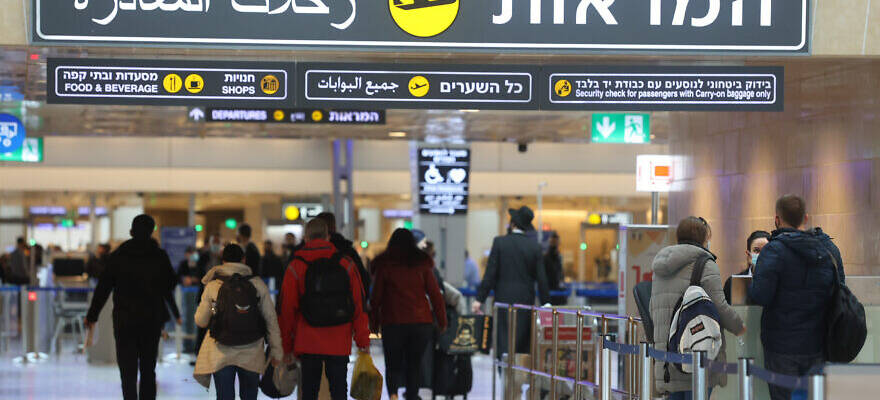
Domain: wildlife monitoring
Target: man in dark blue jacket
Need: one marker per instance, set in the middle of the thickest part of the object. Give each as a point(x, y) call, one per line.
point(793, 281)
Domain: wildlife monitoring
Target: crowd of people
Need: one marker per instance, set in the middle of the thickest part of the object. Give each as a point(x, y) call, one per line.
point(328, 299)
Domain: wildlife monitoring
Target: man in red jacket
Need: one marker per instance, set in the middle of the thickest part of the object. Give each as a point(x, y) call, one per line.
point(320, 349)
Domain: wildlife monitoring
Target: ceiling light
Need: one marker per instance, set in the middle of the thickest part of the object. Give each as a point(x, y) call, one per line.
point(397, 134)
point(469, 111)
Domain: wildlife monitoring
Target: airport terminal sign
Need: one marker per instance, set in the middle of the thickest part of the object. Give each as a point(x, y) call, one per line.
point(160, 82)
point(419, 86)
point(287, 116)
point(444, 180)
point(664, 88)
point(675, 26)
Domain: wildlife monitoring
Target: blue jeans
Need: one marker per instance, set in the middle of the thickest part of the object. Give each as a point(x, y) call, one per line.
point(686, 395)
point(248, 383)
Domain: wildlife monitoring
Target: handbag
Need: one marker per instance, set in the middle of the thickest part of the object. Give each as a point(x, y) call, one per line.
point(847, 328)
point(280, 382)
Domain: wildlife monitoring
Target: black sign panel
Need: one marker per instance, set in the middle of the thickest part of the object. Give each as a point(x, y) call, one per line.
point(419, 86)
point(766, 26)
point(160, 82)
point(663, 88)
point(444, 180)
point(288, 116)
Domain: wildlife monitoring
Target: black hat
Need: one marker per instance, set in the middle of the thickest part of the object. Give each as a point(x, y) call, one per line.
point(522, 218)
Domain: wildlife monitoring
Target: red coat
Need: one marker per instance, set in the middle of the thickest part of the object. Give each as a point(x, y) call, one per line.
point(297, 335)
point(401, 292)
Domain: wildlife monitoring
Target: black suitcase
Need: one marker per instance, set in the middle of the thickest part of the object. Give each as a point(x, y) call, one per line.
point(453, 375)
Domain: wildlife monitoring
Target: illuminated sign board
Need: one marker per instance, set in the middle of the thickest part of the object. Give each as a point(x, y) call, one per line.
point(621, 128)
point(672, 26)
point(162, 82)
point(664, 88)
point(655, 173)
point(287, 116)
point(419, 86)
point(31, 151)
point(444, 180)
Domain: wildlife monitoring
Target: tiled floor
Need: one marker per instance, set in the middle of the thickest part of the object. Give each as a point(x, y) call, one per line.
point(69, 377)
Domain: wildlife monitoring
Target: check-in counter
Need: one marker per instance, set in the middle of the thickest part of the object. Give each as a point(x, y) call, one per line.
point(866, 288)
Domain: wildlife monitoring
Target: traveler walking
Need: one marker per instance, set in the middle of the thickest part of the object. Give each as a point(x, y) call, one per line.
point(238, 311)
point(346, 247)
point(754, 244)
point(404, 294)
point(319, 321)
point(140, 276)
point(97, 262)
point(19, 264)
point(516, 265)
point(673, 270)
point(272, 266)
point(553, 265)
point(471, 271)
point(290, 247)
point(794, 282)
point(251, 252)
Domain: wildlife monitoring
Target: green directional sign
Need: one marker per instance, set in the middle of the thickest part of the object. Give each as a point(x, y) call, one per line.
point(30, 151)
point(621, 128)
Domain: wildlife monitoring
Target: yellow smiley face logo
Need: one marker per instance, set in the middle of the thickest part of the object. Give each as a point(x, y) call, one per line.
point(423, 18)
point(563, 88)
point(419, 86)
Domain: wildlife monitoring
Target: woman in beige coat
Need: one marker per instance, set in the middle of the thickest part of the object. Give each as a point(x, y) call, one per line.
point(247, 361)
point(672, 269)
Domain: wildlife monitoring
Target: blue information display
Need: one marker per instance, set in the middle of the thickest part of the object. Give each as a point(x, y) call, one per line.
point(175, 240)
point(12, 133)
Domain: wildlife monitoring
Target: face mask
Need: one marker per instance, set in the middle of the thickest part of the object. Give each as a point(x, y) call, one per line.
point(194, 257)
point(708, 245)
point(755, 258)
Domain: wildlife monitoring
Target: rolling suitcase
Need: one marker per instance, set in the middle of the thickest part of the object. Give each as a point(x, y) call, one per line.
point(453, 375)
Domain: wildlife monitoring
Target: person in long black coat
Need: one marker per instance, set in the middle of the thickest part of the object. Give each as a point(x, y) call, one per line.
point(515, 267)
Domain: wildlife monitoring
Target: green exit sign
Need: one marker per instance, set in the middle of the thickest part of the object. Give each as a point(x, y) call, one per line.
point(31, 151)
point(621, 128)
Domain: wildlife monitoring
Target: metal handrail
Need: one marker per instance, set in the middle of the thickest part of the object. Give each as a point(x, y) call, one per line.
point(638, 360)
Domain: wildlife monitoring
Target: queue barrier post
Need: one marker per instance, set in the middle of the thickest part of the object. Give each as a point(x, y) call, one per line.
point(555, 354)
point(511, 351)
point(579, 353)
point(533, 336)
point(647, 372)
point(817, 387)
point(605, 382)
point(746, 384)
point(700, 377)
point(494, 346)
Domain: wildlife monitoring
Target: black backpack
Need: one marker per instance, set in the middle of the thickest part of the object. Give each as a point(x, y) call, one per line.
point(847, 328)
point(327, 300)
point(238, 319)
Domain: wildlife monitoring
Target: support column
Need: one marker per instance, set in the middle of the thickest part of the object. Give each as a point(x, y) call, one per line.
point(191, 212)
point(343, 197)
point(93, 221)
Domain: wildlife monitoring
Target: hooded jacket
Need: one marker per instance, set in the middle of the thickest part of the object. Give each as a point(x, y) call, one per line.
point(672, 269)
point(793, 281)
point(297, 335)
point(214, 356)
point(140, 276)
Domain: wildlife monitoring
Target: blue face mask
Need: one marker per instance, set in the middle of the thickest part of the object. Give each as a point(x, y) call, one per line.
point(755, 259)
point(194, 257)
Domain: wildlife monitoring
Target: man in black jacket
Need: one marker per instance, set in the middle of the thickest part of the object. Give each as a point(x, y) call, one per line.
point(515, 267)
point(553, 266)
point(346, 247)
point(793, 281)
point(140, 276)
point(251, 252)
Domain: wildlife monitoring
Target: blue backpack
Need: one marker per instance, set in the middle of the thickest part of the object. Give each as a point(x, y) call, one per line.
point(695, 323)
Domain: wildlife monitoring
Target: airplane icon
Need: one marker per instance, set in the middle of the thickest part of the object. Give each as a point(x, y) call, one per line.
point(416, 4)
point(416, 86)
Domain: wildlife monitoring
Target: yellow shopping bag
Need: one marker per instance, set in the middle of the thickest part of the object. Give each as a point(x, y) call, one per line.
point(366, 383)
